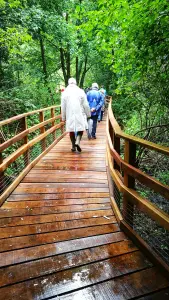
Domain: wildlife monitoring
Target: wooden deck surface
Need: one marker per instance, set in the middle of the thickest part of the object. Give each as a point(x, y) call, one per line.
point(60, 238)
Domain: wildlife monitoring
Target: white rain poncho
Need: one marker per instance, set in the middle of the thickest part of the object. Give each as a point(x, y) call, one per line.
point(75, 108)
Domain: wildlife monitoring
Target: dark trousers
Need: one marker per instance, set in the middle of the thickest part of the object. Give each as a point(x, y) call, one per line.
point(94, 118)
point(72, 134)
point(101, 115)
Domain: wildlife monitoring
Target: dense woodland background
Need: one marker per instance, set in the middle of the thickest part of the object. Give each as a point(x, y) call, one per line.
point(122, 44)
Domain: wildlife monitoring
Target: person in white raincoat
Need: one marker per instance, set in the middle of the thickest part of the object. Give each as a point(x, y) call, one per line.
point(75, 109)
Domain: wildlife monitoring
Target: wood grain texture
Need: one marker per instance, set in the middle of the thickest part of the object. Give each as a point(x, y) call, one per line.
point(60, 238)
point(75, 278)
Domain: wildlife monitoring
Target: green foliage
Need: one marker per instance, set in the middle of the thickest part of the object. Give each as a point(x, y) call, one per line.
point(125, 45)
point(164, 177)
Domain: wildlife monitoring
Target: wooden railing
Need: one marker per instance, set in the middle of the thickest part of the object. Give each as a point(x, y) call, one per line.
point(27, 137)
point(24, 140)
point(142, 220)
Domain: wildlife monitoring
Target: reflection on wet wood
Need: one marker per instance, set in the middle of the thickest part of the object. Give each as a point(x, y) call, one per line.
point(126, 287)
point(32, 189)
point(29, 254)
point(49, 210)
point(164, 294)
point(15, 221)
point(44, 203)
point(82, 195)
point(60, 238)
point(45, 266)
point(75, 278)
point(51, 237)
point(55, 226)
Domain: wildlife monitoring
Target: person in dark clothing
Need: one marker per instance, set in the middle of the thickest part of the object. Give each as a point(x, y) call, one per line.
point(100, 117)
point(95, 100)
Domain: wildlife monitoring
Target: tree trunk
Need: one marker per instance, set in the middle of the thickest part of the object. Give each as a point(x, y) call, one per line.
point(62, 59)
point(77, 70)
point(84, 73)
point(68, 61)
point(65, 60)
point(43, 57)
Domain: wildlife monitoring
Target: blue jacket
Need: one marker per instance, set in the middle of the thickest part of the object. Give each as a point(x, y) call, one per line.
point(95, 100)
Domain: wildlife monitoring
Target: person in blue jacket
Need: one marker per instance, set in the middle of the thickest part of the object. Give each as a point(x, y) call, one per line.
point(95, 100)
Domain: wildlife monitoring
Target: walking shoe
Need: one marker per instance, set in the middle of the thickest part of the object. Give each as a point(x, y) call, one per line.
point(77, 143)
point(72, 138)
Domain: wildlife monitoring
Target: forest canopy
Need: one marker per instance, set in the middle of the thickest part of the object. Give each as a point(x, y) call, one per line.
point(121, 44)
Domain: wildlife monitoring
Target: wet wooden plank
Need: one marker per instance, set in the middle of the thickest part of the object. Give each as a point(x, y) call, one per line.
point(46, 190)
point(37, 252)
point(164, 294)
point(69, 174)
point(56, 236)
point(77, 155)
point(62, 185)
point(55, 226)
point(59, 234)
point(15, 221)
point(42, 203)
point(127, 287)
point(7, 212)
point(35, 196)
point(72, 167)
point(87, 150)
point(53, 178)
point(44, 266)
point(68, 280)
point(76, 163)
point(71, 158)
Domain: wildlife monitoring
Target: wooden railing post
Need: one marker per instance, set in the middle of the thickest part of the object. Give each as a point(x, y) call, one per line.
point(129, 181)
point(116, 144)
point(53, 122)
point(42, 129)
point(1, 175)
point(111, 131)
point(62, 128)
point(25, 140)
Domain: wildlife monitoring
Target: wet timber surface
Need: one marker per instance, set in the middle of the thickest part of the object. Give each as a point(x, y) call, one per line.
point(60, 238)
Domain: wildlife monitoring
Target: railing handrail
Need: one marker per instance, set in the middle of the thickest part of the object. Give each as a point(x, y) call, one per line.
point(24, 133)
point(134, 139)
point(136, 173)
point(27, 143)
point(124, 172)
point(18, 117)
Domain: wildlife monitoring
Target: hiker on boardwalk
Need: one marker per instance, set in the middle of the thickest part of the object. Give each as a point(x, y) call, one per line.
point(95, 100)
point(103, 92)
point(75, 110)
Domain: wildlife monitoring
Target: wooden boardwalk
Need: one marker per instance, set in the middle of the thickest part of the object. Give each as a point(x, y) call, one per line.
point(60, 238)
